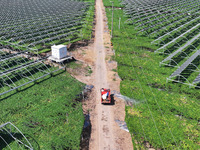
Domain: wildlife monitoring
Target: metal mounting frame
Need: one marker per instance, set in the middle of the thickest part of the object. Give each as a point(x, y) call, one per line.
point(10, 129)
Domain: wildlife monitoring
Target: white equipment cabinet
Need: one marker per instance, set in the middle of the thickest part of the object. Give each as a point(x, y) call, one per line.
point(59, 51)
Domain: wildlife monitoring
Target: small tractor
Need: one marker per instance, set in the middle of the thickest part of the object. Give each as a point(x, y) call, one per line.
point(105, 96)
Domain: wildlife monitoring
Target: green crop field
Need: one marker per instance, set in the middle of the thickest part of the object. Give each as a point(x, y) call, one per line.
point(47, 113)
point(37, 98)
point(167, 115)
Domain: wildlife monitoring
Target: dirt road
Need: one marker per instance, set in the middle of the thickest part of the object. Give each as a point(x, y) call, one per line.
point(105, 133)
point(104, 138)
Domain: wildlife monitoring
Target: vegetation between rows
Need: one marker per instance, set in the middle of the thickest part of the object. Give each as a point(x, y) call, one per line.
point(47, 113)
point(167, 115)
point(79, 31)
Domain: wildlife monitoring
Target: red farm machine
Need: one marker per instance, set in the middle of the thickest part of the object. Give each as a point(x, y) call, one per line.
point(106, 98)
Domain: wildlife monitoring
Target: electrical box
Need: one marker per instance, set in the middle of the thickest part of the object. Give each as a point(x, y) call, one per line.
point(59, 51)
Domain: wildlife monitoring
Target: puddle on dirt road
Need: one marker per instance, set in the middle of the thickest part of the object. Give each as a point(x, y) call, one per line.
point(86, 132)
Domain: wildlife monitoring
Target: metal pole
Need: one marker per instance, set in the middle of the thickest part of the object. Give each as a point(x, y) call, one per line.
point(112, 21)
point(119, 21)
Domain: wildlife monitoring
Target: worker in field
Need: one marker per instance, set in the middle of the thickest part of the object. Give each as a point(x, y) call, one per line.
point(104, 94)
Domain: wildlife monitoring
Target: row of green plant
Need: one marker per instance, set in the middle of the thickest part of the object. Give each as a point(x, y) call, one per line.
point(182, 34)
point(47, 113)
point(167, 114)
point(84, 33)
point(18, 70)
point(166, 21)
point(178, 24)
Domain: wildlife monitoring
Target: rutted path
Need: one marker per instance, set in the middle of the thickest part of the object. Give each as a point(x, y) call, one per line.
point(104, 137)
point(105, 133)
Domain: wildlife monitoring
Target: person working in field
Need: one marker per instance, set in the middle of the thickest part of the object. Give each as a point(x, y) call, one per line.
point(104, 94)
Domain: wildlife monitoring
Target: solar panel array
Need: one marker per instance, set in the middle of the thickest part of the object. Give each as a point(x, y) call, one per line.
point(40, 23)
point(28, 26)
point(19, 68)
point(175, 27)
